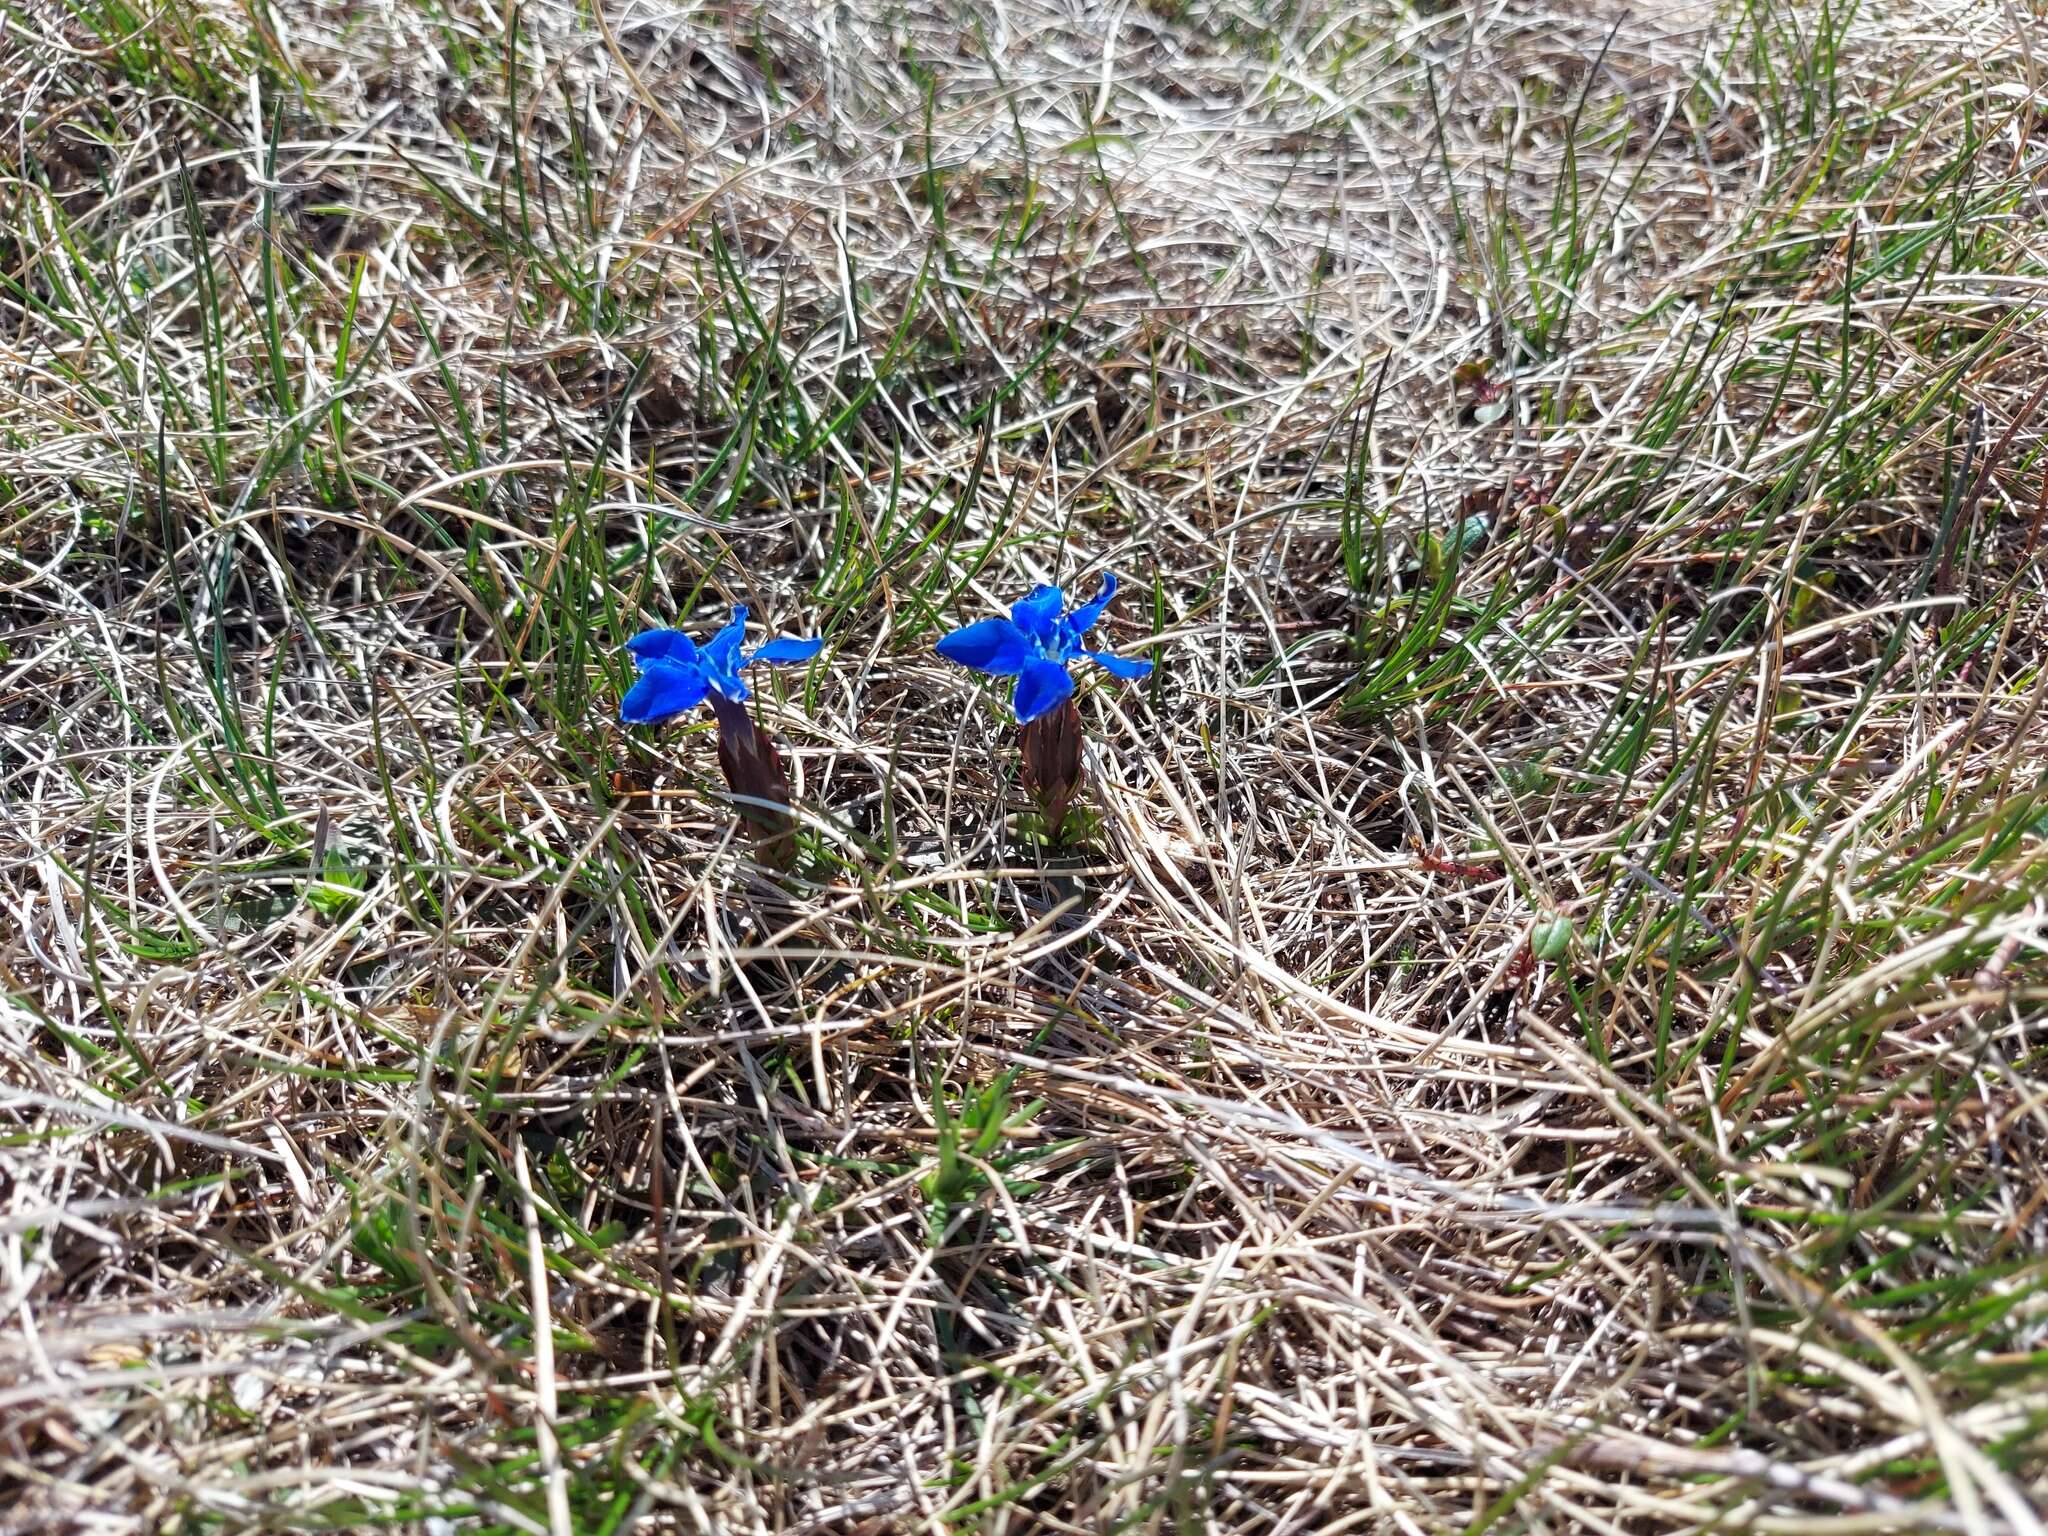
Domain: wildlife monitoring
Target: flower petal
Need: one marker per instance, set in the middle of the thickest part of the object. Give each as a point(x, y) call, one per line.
point(722, 650)
point(665, 689)
point(1042, 687)
point(1126, 667)
point(1039, 614)
point(788, 649)
point(670, 644)
point(995, 646)
point(1089, 614)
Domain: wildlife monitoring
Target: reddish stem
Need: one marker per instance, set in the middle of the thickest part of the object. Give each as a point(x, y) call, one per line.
point(1052, 764)
point(754, 772)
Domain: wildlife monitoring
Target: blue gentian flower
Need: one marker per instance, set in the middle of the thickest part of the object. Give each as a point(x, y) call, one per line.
point(1036, 644)
point(676, 674)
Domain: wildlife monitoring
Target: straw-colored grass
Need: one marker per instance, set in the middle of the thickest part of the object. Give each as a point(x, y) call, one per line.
point(1542, 1029)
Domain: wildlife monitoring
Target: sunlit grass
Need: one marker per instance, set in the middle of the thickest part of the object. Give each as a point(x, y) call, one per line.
point(1534, 1026)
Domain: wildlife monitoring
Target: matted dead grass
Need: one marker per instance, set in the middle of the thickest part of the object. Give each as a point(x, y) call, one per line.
point(1543, 1031)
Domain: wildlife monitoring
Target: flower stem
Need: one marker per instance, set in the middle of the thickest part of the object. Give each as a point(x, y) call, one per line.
point(760, 784)
point(1052, 764)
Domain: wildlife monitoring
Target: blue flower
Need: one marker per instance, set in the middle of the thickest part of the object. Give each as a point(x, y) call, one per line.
point(676, 674)
point(1036, 644)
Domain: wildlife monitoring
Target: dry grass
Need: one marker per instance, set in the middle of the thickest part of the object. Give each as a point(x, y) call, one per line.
point(1545, 1030)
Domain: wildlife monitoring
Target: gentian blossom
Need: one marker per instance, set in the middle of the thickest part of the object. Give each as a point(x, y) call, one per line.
point(677, 674)
point(1037, 644)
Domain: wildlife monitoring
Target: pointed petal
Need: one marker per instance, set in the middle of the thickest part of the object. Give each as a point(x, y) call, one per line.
point(722, 656)
point(722, 673)
point(787, 650)
point(1039, 614)
point(1042, 687)
point(726, 643)
point(1119, 666)
point(1089, 614)
point(672, 644)
point(995, 646)
point(665, 689)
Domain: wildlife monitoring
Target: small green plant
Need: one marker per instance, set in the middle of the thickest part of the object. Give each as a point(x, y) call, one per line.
point(968, 1137)
point(340, 885)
